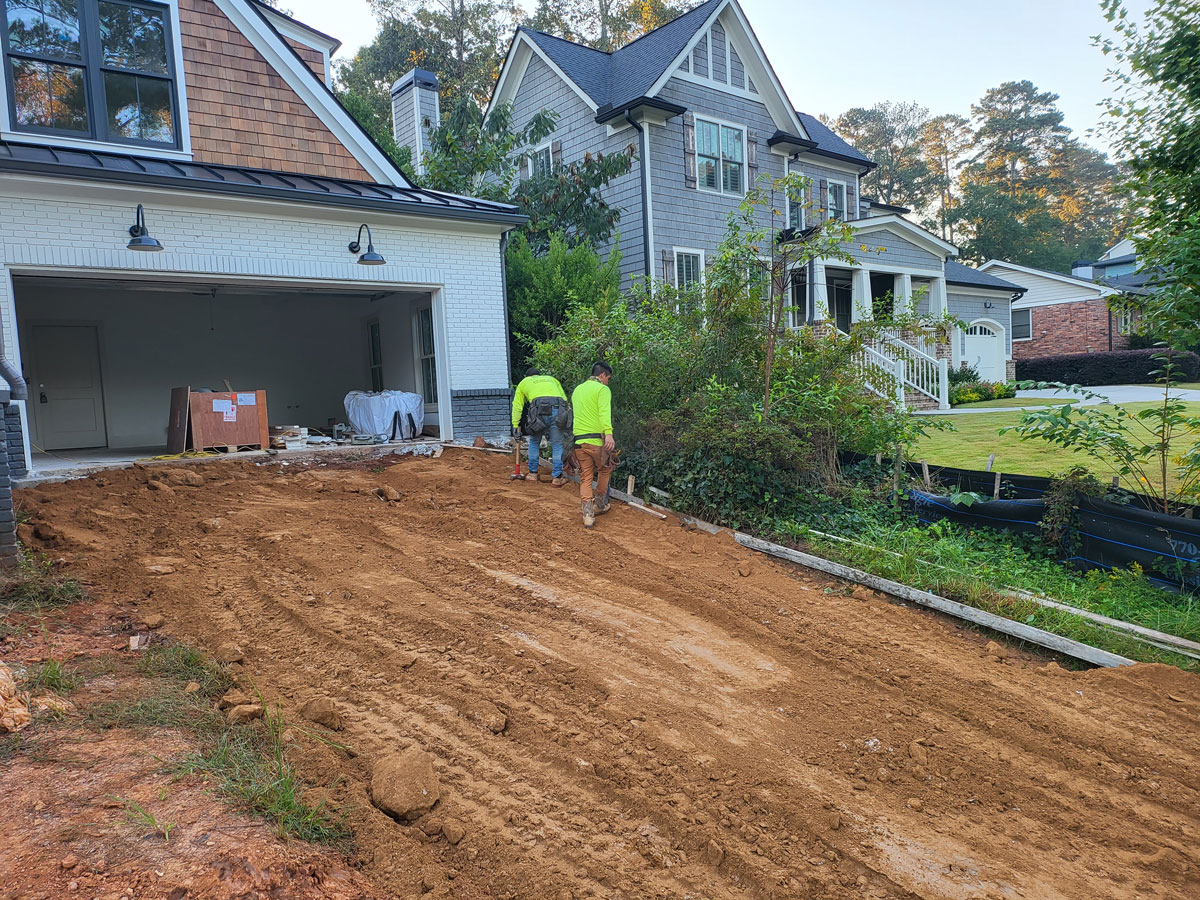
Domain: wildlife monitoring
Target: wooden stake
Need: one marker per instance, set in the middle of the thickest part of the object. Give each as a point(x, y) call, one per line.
point(996, 488)
point(879, 459)
point(629, 486)
point(925, 474)
point(991, 459)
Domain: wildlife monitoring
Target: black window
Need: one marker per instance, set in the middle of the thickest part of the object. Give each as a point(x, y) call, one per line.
point(100, 69)
point(1021, 330)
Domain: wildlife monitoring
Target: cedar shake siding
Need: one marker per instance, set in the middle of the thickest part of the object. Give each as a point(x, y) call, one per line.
point(314, 59)
point(1082, 326)
point(244, 114)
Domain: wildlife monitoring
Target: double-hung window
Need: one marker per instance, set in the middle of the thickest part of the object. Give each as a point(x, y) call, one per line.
point(795, 213)
point(837, 200)
point(689, 268)
point(1021, 325)
point(799, 311)
point(720, 157)
point(427, 354)
point(93, 69)
point(541, 161)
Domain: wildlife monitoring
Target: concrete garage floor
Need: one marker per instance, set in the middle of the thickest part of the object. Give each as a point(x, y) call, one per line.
point(63, 465)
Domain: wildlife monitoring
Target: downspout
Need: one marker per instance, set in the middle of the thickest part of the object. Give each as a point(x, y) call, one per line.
point(17, 388)
point(1109, 328)
point(637, 126)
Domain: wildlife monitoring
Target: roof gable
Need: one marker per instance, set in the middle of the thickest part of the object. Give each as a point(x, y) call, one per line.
point(1070, 285)
point(901, 227)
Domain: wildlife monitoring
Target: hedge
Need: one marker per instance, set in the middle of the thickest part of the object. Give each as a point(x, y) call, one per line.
point(1112, 367)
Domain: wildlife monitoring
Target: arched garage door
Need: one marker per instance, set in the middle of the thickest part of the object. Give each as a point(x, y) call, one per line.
point(984, 349)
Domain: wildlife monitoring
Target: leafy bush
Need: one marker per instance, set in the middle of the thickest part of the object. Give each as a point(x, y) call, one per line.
point(1115, 367)
point(963, 374)
point(977, 391)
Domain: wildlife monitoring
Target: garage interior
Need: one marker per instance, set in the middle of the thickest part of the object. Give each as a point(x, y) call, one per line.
point(102, 355)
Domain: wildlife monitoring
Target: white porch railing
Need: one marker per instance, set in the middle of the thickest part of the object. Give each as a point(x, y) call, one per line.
point(908, 368)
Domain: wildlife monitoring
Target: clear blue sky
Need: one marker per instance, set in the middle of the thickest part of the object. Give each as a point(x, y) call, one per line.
point(835, 54)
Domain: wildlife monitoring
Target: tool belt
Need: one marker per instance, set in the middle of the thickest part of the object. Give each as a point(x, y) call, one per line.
point(538, 409)
point(609, 459)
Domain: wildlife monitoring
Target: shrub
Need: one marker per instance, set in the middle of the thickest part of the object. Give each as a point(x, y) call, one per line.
point(963, 374)
point(976, 391)
point(1115, 367)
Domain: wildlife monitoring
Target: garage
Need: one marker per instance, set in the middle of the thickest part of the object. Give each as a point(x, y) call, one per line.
point(983, 343)
point(102, 355)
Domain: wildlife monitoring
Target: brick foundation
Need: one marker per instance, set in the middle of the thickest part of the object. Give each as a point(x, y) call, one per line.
point(8, 528)
point(482, 412)
point(1079, 327)
point(15, 453)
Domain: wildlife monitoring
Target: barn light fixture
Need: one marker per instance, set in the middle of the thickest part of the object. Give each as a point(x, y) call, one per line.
point(370, 258)
point(139, 237)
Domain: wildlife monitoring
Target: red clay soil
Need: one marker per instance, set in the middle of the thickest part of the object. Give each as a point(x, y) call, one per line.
point(684, 718)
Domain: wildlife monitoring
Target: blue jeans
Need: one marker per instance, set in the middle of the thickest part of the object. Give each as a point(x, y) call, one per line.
point(556, 445)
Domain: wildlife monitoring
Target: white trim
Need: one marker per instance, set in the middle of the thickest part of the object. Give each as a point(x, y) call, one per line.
point(502, 92)
point(301, 79)
point(718, 86)
point(745, 163)
point(1016, 339)
point(420, 151)
point(548, 146)
point(845, 217)
point(1101, 291)
point(8, 133)
point(691, 251)
point(815, 159)
point(649, 201)
point(989, 293)
point(991, 323)
point(302, 34)
point(906, 229)
point(777, 103)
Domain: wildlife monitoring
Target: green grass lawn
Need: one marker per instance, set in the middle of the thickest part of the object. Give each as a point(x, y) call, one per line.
point(974, 437)
point(1009, 402)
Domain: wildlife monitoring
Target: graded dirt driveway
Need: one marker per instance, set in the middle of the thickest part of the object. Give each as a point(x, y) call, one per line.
point(682, 718)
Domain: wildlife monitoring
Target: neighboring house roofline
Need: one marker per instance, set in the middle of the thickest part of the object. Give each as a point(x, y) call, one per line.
point(123, 168)
point(889, 207)
point(899, 223)
point(1115, 261)
point(331, 44)
point(250, 19)
point(963, 276)
point(1101, 290)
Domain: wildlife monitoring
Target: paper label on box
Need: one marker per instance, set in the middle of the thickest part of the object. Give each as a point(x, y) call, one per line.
point(230, 415)
point(246, 399)
point(222, 405)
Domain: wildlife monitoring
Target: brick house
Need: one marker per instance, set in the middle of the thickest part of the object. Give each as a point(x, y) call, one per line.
point(208, 127)
point(1061, 313)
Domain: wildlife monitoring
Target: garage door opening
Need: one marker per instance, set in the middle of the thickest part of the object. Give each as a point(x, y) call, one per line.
point(102, 356)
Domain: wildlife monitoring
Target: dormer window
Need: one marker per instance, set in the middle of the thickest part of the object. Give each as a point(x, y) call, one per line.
point(99, 69)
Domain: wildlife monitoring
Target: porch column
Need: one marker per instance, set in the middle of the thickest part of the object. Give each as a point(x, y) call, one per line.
point(902, 296)
point(937, 297)
point(860, 296)
point(820, 292)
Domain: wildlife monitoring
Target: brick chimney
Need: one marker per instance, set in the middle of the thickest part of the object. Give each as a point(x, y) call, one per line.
point(415, 111)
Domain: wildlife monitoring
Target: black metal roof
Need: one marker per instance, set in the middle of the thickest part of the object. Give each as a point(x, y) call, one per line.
point(829, 143)
point(960, 274)
point(97, 165)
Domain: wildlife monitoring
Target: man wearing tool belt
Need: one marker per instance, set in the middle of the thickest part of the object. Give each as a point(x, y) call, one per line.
point(541, 403)
point(594, 447)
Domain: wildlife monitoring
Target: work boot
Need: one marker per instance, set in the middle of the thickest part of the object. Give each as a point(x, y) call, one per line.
point(589, 513)
point(559, 481)
point(602, 506)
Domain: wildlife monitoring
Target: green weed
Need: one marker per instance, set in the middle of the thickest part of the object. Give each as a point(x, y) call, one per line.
point(168, 708)
point(35, 585)
point(52, 675)
point(140, 817)
point(183, 663)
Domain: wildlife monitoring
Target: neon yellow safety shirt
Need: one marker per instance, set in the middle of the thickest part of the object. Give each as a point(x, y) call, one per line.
point(592, 402)
point(532, 387)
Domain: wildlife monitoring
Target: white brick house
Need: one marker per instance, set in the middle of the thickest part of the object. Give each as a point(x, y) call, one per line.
point(255, 284)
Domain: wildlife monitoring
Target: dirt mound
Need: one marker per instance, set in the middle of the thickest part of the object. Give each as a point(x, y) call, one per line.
point(678, 716)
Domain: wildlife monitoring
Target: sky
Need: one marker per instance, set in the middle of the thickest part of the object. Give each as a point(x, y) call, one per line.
point(831, 55)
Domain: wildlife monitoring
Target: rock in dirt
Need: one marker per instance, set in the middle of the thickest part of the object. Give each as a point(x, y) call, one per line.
point(187, 477)
point(389, 493)
point(234, 697)
point(915, 804)
point(14, 707)
point(713, 854)
point(160, 569)
point(161, 486)
point(489, 716)
point(995, 650)
point(238, 715)
point(192, 687)
point(25, 534)
point(208, 526)
point(453, 831)
point(404, 785)
point(479, 443)
point(69, 862)
point(154, 620)
point(45, 532)
point(402, 659)
point(744, 570)
point(230, 653)
point(919, 754)
point(323, 711)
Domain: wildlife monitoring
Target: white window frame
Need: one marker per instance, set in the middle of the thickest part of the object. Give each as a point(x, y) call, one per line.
point(1124, 321)
point(548, 148)
point(183, 151)
point(687, 251)
point(788, 201)
point(419, 356)
point(721, 123)
point(1012, 322)
point(829, 183)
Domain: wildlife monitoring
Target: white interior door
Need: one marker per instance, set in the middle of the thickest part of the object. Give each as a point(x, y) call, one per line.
point(985, 351)
point(68, 397)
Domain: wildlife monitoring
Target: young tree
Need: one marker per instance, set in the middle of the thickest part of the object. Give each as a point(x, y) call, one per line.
point(945, 141)
point(1155, 125)
point(890, 134)
point(380, 130)
point(602, 24)
point(371, 72)
point(569, 200)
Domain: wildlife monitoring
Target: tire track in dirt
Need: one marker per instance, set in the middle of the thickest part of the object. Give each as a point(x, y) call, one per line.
point(742, 734)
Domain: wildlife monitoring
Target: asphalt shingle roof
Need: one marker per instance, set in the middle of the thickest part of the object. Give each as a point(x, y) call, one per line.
point(958, 273)
point(827, 140)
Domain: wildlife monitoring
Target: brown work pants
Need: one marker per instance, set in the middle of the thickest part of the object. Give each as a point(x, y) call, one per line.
point(589, 456)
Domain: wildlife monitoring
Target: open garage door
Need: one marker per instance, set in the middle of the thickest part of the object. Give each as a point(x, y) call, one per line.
point(103, 355)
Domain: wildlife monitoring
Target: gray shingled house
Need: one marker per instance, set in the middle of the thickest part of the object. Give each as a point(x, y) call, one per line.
point(707, 115)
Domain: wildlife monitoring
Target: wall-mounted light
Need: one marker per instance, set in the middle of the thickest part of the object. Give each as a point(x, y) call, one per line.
point(988, 304)
point(139, 237)
point(370, 258)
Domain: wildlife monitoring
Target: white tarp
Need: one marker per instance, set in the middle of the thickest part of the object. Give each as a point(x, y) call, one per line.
point(377, 413)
